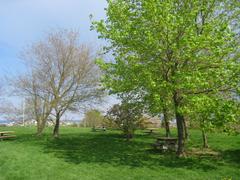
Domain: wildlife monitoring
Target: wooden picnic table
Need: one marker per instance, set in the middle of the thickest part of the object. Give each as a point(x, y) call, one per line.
point(167, 139)
point(150, 130)
point(166, 143)
point(94, 129)
point(7, 134)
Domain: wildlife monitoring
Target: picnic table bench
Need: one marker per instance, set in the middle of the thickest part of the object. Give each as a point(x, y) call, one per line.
point(7, 135)
point(166, 143)
point(99, 129)
point(150, 131)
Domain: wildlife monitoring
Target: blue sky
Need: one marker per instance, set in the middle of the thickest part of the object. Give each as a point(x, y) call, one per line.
point(25, 21)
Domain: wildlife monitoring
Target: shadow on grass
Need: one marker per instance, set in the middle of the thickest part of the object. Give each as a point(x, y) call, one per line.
point(114, 150)
point(109, 147)
point(232, 156)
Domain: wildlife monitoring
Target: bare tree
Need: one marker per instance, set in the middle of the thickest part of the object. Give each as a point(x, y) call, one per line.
point(10, 112)
point(63, 74)
point(38, 99)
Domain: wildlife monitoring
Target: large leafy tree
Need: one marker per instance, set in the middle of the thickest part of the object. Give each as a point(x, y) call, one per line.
point(171, 50)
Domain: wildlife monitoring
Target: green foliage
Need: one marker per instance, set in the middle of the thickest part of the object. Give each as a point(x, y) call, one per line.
point(214, 112)
point(93, 118)
point(162, 48)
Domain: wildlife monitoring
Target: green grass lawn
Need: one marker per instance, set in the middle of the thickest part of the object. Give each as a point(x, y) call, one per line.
point(82, 154)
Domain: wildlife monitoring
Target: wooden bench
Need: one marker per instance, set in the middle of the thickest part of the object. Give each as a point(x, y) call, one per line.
point(150, 131)
point(7, 135)
point(165, 144)
point(99, 129)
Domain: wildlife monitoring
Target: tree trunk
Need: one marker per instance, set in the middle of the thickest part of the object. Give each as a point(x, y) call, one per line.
point(166, 122)
point(129, 136)
point(40, 126)
point(56, 127)
point(40, 129)
point(180, 126)
point(186, 134)
point(204, 136)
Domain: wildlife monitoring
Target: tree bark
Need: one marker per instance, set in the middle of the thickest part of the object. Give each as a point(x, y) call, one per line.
point(40, 129)
point(186, 134)
point(40, 126)
point(129, 136)
point(205, 141)
point(56, 127)
point(166, 122)
point(180, 126)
